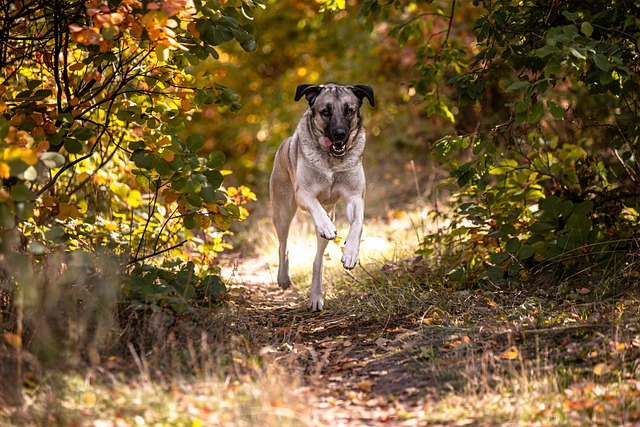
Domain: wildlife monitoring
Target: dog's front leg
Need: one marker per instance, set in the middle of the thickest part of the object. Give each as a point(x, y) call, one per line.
point(321, 219)
point(355, 216)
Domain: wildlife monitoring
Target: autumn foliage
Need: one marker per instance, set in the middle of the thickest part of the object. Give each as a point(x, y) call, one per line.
point(94, 155)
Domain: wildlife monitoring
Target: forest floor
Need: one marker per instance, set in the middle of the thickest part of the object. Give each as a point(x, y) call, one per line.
point(393, 349)
point(396, 345)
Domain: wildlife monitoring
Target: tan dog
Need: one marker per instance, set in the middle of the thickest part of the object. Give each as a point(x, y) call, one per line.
point(318, 165)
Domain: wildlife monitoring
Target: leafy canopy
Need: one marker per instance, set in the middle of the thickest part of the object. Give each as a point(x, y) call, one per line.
point(94, 97)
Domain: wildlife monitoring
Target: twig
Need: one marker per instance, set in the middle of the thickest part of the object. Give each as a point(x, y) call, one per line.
point(453, 8)
point(177, 245)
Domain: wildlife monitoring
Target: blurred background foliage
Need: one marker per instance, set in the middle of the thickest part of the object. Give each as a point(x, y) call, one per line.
point(309, 42)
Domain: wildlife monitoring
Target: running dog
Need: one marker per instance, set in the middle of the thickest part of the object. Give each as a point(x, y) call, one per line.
point(314, 168)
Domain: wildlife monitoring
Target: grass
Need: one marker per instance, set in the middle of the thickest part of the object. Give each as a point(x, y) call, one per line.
point(398, 343)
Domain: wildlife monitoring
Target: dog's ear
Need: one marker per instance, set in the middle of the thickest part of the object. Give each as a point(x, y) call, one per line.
point(309, 91)
point(362, 92)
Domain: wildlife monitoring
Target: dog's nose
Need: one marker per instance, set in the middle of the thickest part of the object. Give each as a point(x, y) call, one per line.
point(339, 135)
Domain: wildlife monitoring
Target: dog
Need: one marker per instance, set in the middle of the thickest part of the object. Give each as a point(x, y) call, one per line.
point(319, 164)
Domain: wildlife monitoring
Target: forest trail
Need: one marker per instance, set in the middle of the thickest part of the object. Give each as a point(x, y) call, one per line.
point(347, 368)
point(485, 357)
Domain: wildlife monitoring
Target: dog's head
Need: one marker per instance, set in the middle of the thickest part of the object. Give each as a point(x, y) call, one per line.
point(336, 112)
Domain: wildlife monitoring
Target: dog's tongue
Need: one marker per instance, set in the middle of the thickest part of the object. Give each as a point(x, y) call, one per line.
point(327, 142)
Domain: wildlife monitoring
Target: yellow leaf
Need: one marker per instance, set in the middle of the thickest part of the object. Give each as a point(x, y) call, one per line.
point(601, 369)
point(134, 198)
point(511, 354)
point(5, 172)
point(90, 397)
point(111, 226)
point(205, 221)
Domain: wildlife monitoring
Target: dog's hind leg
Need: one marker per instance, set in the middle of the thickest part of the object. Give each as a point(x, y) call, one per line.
point(317, 301)
point(283, 214)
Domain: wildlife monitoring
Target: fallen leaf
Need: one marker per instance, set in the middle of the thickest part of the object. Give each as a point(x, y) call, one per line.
point(510, 354)
point(601, 369)
point(580, 404)
point(365, 385)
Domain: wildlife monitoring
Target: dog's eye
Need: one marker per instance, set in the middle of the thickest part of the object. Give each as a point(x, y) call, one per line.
point(326, 112)
point(349, 111)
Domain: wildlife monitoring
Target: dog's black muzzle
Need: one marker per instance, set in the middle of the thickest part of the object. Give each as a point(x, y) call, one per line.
point(338, 148)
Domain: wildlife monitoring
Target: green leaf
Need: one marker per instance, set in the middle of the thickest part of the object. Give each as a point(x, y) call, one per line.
point(213, 286)
point(83, 134)
point(208, 194)
point(195, 142)
point(20, 192)
point(526, 252)
point(32, 84)
point(586, 29)
point(457, 275)
point(583, 208)
point(601, 61)
point(216, 160)
point(56, 234)
point(512, 245)
point(233, 210)
point(125, 115)
point(536, 112)
point(190, 221)
point(214, 178)
point(41, 94)
point(555, 110)
point(553, 207)
point(142, 159)
point(72, 145)
point(546, 50)
point(4, 128)
point(518, 86)
point(505, 166)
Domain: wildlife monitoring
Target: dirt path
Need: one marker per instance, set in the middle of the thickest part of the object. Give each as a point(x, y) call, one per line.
point(485, 357)
point(349, 368)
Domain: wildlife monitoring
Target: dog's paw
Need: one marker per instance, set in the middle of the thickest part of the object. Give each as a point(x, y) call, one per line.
point(327, 230)
point(284, 284)
point(349, 259)
point(317, 303)
point(284, 279)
